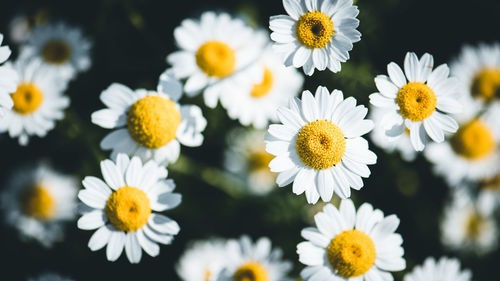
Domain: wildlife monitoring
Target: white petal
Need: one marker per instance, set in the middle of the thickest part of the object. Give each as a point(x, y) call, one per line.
point(132, 248)
point(163, 224)
point(134, 172)
point(100, 238)
point(293, 8)
point(301, 56)
point(325, 185)
point(396, 74)
point(150, 247)
point(115, 245)
point(92, 220)
point(348, 213)
point(111, 174)
point(411, 66)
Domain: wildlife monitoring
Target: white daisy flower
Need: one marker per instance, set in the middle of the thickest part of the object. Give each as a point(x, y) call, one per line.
point(19, 28)
point(8, 80)
point(319, 146)
point(445, 269)
point(50, 277)
point(489, 193)
point(203, 260)
point(62, 49)
point(38, 101)
point(351, 246)
point(37, 200)
point(213, 50)
point(149, 124)
point(4, 51)
point(254, 261)
point(315, 34)
point(421, 104)
point(121, 208)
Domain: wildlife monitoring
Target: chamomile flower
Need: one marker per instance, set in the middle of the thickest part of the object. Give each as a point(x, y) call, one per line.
point(445, 269)
point(149, 124)
point(488, 193)
point(420, 104)
point(8, 80)
point(254, 261)
point(214, 49)
point(50, 277)
point(37, 201)
point(351, 246)
point(121, 208)
point(319, 146)
point(38, 101)
point(203, 260)
point(315, 34)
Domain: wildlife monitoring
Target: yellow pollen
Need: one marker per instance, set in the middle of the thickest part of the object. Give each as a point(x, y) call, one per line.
point(314, 29)
point(27, 98)
point(473, 140)
point(262, 89)
point(486, 84)
point(321, 144)
point(37, 202)
point(216, 59)
point(207, 276)
point(153, 121)
point(259, 160)
point(416, 101)
point(251, 271)
point(56, 52)
point(473, 226)
point(128, 209)
point(351, 253)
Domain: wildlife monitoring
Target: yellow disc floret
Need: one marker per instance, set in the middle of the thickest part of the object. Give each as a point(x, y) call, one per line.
point(128, 209)
point(153, 121)
point(416, 101)
point(251, 271)
point(27, 98)
point(56, 52)
point(216, 59)
point(351, 253)
point(473, 140)
point(486, 84)
point(321, 144)
point(474, 225)
point(37, 202)
point(262, 89)
point(314, 29)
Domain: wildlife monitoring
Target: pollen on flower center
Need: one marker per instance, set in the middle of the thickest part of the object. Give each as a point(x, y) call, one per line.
point(27, 98)
point(153, 121)
point(473, 140)
point(128, 209)
point(486, 84)
point(56, 52)
point(37, 202)
point(251, 271)
point(416, 101)
point(351, 253)
point(262, 89)
point(216, 59)
point(321, 144)
point(314, 29)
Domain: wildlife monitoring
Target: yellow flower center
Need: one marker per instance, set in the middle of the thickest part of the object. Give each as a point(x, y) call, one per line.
point(37, 202)
point(473, 226)
point(473, 140)
point(216, 59)
point(207, 275)
point(128, 209)
point(153, 121)
point(251, 271)
point(262, 89)
point(416, 101)
point(320, 144)
point(314, 29)
point(56, 52)
point(259, 160)
point(27, 98)
point(486, 84)
point(491, 183)
point(351, 253)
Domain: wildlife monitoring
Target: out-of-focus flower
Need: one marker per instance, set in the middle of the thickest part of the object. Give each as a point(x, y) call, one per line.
point(4, 51)
point(19, 28)
point(8, 80)
point(445, 269)
point(489, 193)
point(319, 146)
point(50, 277)
point(203, 260)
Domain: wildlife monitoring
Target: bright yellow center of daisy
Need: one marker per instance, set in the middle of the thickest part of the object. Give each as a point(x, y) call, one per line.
point(473, 225)
point(27, 98)
point(320, 144)
point(473, 140)
point(216, 59)
point(56, 52)
point(259, 160)
point(207, 275)
point(416, 101)
point(262, 89)
point(314, 29)
point(37, 202)
point(251, 271)
point(153, 121)
point(486, 84)
point(128, 209)
point(351, 253)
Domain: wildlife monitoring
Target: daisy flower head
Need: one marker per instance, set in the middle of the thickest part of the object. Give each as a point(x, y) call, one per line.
point(212, 51)
point(203, 260)
point(420, 100)
point(38, 101)
point(315, 34)
point(50, 277)
point(444, 269)
point(350, 245)
point(149, 124)
point(254, 261)
point(121, 208)
point(488, 193)
point(318, 145)
point(37, 201)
